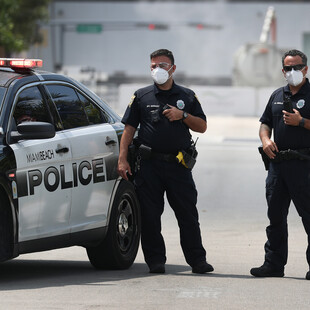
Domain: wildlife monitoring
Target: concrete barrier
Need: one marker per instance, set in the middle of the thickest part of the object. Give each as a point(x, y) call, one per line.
point(215, 100)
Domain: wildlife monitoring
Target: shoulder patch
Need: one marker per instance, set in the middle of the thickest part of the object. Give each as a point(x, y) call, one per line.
point(197, 99)
point(131, 100)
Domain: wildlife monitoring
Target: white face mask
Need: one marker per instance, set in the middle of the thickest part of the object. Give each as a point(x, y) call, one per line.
point(160, 76)
point(293, 77)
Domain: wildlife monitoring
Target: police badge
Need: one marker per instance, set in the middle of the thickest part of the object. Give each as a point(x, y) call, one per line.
point(180, 104)
point(300, 104)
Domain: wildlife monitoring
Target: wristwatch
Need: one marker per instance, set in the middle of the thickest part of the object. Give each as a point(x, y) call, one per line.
point(185, 115)
point(302, 123)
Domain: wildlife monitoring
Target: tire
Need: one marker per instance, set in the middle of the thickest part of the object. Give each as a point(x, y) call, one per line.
point(6, 229)
point(119, 248)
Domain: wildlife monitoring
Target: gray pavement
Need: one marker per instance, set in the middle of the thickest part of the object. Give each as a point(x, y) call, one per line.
point(230, 180)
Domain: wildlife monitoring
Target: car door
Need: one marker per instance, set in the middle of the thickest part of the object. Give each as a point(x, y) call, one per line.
point(43, 169)
point(95, 150)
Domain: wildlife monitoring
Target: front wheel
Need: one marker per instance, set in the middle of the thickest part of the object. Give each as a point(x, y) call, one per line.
point(119, 248)
point(6, 229)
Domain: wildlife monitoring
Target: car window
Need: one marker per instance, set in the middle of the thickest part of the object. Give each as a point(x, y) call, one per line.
point(30, 106)
point(69, 106)
point(94, 114)
point(2, 92)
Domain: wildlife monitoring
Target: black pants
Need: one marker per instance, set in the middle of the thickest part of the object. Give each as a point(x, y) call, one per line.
point(152, 181)
point(286, 181)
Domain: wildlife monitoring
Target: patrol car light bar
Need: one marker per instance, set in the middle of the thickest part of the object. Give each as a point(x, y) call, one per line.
point(21, 63)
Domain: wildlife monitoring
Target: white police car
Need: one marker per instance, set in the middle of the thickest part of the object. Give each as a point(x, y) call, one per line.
point(59, 146)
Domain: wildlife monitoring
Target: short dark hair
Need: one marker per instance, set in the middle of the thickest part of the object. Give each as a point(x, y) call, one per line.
point(295, 53)
point(163, 52)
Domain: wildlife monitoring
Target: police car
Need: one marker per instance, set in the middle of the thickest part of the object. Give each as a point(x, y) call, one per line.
point(59, 187)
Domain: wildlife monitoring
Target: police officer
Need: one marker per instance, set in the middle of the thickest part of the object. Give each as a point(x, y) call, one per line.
point(165, 112)
point(289, 170)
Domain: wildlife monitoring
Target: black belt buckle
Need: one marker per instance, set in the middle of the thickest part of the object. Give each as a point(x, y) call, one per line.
point(287, 155)
point(170, 158)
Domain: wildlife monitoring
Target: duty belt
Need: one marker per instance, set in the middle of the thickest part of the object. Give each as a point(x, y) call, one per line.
point(145, 152)
point(170, 158)
point(301, 154)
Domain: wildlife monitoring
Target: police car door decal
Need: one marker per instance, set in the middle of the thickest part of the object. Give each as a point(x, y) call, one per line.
point(95, 149)
point(42, 177)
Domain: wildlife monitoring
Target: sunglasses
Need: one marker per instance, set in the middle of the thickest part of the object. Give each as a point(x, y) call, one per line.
point(295, 67)
point(163, 65)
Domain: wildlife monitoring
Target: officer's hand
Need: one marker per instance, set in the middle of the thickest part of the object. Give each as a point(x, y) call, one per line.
point(292, 119)
point(124, 168)
point(270, 148)
point(173, 114)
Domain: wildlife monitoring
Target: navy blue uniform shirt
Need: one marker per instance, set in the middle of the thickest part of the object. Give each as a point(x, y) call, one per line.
point(286, 136)
point(162, 135)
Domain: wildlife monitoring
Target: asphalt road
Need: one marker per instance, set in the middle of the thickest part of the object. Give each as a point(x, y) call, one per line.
point(230, 180)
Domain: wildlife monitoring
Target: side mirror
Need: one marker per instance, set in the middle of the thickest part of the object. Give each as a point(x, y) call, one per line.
point(33, 130)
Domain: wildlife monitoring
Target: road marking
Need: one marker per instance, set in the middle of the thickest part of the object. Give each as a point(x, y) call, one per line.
point(203, 292)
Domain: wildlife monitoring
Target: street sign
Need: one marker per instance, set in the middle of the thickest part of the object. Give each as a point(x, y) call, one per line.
point(89, 28)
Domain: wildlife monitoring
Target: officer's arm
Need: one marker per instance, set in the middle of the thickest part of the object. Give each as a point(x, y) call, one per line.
point(305, 123)
point(295, 119)
point(123, 165)
point(269, 147)
point(195, 123)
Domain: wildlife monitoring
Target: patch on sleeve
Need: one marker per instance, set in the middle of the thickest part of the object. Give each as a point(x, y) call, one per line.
point(131, 100)
point(197, 99)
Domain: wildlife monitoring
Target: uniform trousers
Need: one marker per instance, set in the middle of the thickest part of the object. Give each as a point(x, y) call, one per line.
point(287, 181)
point(153, 180)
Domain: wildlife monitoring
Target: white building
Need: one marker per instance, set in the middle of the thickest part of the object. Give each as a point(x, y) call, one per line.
point(114, 36)
point(112, 40)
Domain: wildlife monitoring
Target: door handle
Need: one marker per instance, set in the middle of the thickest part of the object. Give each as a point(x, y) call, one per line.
point(62, 150)
point(110, 142)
